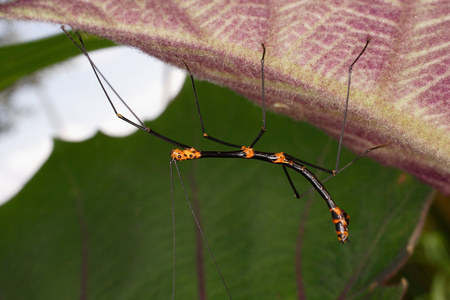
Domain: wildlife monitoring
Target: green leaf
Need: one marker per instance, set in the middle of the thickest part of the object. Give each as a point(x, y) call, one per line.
point(96, 220)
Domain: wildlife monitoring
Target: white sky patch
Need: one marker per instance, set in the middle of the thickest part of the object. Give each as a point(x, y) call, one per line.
point(67, 103)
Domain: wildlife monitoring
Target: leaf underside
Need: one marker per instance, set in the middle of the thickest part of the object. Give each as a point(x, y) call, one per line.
point(400, 86)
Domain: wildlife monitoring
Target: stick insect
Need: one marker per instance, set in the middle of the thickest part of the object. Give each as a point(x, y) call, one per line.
point(184, 152)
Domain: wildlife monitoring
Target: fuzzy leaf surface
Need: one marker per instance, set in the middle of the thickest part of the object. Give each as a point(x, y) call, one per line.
point(400, 90)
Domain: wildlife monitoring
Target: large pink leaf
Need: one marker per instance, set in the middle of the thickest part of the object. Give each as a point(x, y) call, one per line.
point(400, 88)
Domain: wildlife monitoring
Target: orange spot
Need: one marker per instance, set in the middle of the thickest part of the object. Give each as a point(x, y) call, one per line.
point(340, 217)
point(337, 210)
point(344, 234)
point(249, 153)
point(280, 158)
point(186, 154)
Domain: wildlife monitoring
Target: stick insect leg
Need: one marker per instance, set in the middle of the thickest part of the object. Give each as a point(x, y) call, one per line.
point(173, 232)
point(263, 93)
point(209, 137)
point(337, 170)
point(140, 125)
point(296, 194)
point(348, 165)
point(263, 129)
point(199, 226)
point(346, 104)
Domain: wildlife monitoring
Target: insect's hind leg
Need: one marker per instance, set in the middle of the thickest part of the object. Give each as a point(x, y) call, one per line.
point(263, 129)
point(348, 165)
point(337, 170)
point(346, 105)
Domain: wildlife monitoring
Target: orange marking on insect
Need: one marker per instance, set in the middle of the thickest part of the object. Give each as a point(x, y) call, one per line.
point(249, 153)
point(342, 233)
point(281, 158)
point(342, 236)
point(341, 215)
point(341, 220)
point(186, 154)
